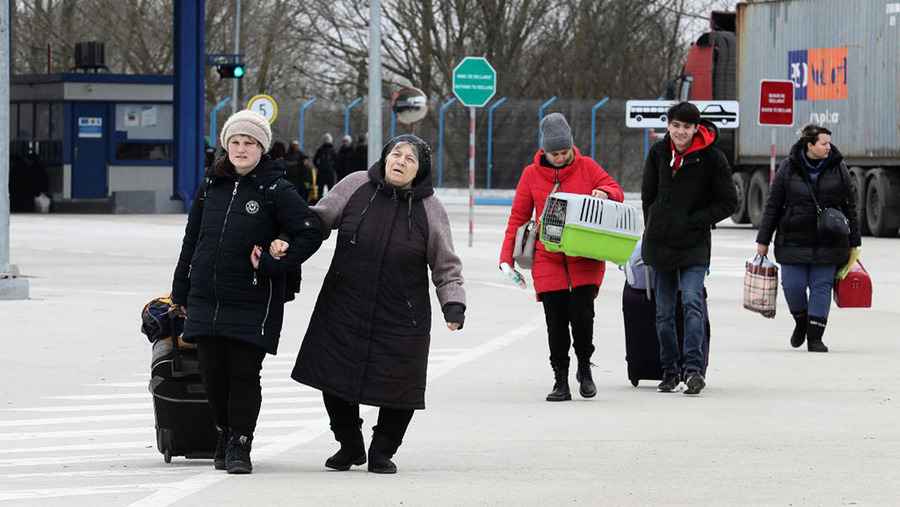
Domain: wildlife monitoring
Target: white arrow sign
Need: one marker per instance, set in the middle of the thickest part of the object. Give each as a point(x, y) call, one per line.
point(649, 114)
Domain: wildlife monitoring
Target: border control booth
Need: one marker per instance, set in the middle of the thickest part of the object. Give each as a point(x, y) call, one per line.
point(106, 140)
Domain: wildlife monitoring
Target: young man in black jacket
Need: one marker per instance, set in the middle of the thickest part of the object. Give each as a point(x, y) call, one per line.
point(686, 190)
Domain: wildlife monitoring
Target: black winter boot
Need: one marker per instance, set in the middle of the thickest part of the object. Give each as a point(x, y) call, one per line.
point(561, 386)
point(221, 445)
point(799, 335)
point(814, 334)
point(237, 455)
point(381, 450)
point(586, 386)
point(352, 452)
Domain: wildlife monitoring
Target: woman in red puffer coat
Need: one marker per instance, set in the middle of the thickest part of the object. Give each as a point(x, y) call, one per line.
point(566, 286)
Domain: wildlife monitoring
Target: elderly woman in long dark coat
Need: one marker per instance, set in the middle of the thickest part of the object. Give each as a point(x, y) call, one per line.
point(368, 338)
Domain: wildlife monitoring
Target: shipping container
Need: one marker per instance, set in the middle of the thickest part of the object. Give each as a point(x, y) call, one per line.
point(843, 58)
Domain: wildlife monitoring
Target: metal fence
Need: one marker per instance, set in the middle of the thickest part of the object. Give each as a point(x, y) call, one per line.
point(618, 149)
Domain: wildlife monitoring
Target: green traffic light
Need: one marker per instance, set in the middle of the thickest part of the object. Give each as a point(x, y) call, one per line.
point(239, 71)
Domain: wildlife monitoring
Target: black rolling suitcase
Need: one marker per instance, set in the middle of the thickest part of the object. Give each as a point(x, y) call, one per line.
point(641, 342)
point(184, 420)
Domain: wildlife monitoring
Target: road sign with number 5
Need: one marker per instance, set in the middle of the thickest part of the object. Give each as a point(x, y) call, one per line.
point(264, 105)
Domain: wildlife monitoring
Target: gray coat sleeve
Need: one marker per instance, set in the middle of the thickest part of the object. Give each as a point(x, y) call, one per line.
point(331, 207)
point(446, 267)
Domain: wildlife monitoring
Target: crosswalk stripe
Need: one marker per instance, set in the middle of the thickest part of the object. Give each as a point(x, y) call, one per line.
point(75, 420)
point(100, 473)
point(75, 460)
point(34, 494)
point(82, 447)
point(264, 425)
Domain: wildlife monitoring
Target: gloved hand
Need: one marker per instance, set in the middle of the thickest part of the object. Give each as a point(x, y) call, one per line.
point(513, 275)
point(854, 256)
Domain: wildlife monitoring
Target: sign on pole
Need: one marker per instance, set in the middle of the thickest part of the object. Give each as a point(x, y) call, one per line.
point(264, 105)
point(651, 114)
point(776, 102)
point(474, 81)
point(776, 108)
point(474, 84)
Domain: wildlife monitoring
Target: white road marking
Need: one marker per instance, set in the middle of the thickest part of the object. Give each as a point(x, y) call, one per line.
point(14, 423)
point(33, 494)
point(143, 444)
point(174, 492)
point(77, 460)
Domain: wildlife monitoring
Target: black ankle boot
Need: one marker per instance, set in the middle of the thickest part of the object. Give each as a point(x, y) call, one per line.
point(237, 454)
point(814, 334)
point(221, 445)
point(561, 385)
point(352, 452)
point(381, 450)
point(586, 386)
point(800, 326)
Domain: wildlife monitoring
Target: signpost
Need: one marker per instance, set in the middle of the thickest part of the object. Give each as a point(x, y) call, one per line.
point(264, 105)
point(644, 114)
point(474, 84)
point(776, 108)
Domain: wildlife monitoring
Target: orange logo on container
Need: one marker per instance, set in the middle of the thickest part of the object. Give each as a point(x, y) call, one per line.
point(827, 74)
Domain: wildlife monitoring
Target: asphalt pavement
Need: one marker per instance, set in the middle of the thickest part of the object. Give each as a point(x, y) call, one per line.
point(775, 426)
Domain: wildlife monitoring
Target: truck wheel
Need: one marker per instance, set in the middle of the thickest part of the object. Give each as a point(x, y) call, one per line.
point(858, 179)
point(741, 182)
point(882, 213)
point(757, 193)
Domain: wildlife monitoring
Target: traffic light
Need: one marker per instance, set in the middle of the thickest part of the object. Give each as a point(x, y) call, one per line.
point(230, 70)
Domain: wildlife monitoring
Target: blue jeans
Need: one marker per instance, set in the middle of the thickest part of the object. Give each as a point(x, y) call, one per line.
point(817, 278)
point(667, 284)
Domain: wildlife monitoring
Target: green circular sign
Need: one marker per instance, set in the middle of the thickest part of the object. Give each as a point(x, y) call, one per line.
point(474, 81)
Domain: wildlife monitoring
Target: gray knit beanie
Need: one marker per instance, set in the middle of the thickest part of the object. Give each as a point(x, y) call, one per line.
point(555, 133)
point(247, 123)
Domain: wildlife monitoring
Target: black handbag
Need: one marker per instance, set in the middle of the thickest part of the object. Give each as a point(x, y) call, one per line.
point(830, 222)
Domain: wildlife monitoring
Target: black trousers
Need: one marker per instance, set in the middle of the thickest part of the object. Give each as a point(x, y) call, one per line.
point(566, 308)
point(345, 423)
point(230, 370)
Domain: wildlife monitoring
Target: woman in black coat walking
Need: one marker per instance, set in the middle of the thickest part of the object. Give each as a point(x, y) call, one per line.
point(232, 290)
point(809, 257)
point(369, 335)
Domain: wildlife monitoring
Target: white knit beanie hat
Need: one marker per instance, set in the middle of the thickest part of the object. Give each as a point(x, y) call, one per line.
point(247, 123)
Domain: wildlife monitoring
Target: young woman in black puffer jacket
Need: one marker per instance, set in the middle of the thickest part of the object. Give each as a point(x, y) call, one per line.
point(232, 290)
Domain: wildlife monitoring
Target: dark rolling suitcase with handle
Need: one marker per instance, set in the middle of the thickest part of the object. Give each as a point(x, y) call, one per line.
point(641, 342)
point(184, 420)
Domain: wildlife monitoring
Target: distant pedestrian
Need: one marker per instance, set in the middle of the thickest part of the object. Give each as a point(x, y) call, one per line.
point(276, 154)
point(686, 190)
point(565, 286)
point(232, 290)
point(324, 160)
point(813, 176)
point(299, 169)
point(370, 332)
point(343, 164)
point(360, 160)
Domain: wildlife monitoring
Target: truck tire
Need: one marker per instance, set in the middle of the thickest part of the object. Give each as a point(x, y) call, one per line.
point(858, 180)
point(741, 182)
point(882, 210)
point(757, 193)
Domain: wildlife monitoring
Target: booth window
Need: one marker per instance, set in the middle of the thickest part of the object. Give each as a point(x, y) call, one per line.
point(144, 151)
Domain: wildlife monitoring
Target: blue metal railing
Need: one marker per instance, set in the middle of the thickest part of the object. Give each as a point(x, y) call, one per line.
point(347, 114)
point(594, 109)
point(440, 155)
point(301, 127)
point(490, 138)
point(213, 123)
